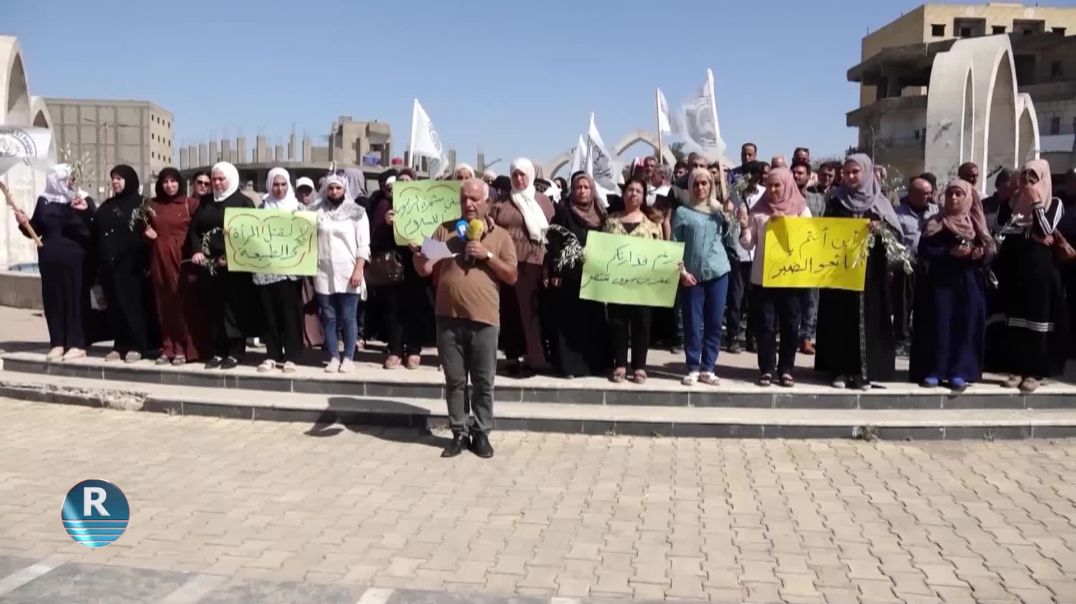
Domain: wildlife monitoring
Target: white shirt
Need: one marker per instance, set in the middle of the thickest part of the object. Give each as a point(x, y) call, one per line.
point(343, 238)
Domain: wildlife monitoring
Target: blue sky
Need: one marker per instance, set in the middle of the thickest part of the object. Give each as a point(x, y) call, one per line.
point(512, 78)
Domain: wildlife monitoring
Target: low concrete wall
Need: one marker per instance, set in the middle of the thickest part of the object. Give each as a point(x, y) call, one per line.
point(20, 290)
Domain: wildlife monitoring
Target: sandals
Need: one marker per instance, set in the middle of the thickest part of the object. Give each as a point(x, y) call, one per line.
point(618, 376)
point(639, 377)
point(413, 361)
point(393, 362)
point(787, 381)
point(765, 380)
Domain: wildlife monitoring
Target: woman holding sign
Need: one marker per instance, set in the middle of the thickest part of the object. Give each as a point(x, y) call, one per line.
point(950, 306)
point(774, 305)
point(855, 329)
point(525, 216)
point(229, 295)
point(631, 323)
point(279, 294)
point(706, 230)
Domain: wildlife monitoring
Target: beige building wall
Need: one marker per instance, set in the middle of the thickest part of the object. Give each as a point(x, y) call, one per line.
point(937, 22)
point(109, 132)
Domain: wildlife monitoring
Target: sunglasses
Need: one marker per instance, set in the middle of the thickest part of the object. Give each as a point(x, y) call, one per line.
point(203, 183)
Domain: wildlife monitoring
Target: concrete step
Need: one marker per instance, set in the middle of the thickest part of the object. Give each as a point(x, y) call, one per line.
point(660, 391)
point(324, 410)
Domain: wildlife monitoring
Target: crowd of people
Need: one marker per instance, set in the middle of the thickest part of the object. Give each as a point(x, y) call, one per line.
point(960, 283)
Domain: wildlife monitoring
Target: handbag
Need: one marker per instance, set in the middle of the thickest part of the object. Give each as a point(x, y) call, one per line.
point(384, 268)
point(1063, 252)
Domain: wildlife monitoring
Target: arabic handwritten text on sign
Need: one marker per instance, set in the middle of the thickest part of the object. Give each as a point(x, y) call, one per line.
point(271, 241)
point(631, 270)
point(816, 252)
point(421, 206)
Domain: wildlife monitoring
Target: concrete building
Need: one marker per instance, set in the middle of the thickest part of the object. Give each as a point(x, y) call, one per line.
point(895, 71)
point(111, 132)
point(359, 143)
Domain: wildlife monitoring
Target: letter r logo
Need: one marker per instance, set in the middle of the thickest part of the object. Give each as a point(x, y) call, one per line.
point(94, 497)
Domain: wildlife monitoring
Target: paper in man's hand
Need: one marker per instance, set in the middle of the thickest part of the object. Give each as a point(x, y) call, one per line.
point(435, 250)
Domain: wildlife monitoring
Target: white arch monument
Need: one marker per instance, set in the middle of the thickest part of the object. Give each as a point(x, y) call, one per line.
point(18, 108)
point(974, 113)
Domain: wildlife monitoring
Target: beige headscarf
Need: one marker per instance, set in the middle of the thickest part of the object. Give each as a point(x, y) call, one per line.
point(1034, 196)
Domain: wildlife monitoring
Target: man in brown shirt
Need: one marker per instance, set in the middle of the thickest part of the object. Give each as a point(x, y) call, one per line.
point(468, 316)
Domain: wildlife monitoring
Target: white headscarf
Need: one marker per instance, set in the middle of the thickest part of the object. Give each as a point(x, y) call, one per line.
point(231, 174)
point(525, 200)
point(288, 203)
point(461, 167)
point(56, 189)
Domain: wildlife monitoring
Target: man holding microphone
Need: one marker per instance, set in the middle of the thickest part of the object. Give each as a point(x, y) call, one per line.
point(468, 314)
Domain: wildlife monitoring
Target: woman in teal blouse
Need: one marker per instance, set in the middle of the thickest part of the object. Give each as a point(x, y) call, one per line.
point(706, 229)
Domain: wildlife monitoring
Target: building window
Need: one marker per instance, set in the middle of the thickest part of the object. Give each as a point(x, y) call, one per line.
point(1055, 125)
point(937, 30)
point(1028, 26)
point(997, 29)
point(1059, 31)
point(1056, 69)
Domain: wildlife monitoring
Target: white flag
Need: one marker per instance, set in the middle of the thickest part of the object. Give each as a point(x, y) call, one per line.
point(663, 114)
point(701, 128)
point(24, 145)
point(579, 156)
point(425, 142)
point(600, 164)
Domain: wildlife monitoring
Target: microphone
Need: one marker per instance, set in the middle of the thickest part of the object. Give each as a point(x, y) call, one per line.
point(475, 229)
point(461, 229)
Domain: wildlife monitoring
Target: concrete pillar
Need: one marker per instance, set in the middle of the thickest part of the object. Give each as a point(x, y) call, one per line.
point(308, 153)
point(184, 158)
point(241, 150)
point(261, 152)
point(291, 147)
point(214, 153)
point(480, 164)
point(279, 153)
point(203, 154)
point(226, 151)
point(451, 161)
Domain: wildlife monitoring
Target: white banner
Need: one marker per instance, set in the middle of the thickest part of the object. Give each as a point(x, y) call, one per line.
point(663, 114)
point(425, 142)
point(701, 128)
point(24, 145)
point(579, 156)
point(600, 164)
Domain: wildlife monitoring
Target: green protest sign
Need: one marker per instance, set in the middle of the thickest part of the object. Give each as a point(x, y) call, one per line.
point(622, 269)
point(421, 206)
point(271, 241)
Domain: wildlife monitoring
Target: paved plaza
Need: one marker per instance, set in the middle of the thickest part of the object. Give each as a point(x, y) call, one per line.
point(278, 508)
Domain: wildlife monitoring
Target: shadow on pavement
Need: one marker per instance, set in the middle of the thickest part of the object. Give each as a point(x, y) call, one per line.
point(353, 414)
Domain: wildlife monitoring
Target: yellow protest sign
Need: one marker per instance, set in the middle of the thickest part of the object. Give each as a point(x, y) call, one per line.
point(421, 206)
point(271, 241)
point(816, 252)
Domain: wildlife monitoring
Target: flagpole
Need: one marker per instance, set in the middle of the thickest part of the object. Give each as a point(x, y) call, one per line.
point(657, 110)
point(411, 142)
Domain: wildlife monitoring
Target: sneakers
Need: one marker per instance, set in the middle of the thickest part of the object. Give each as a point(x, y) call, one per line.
point(55, 354)
point(214, 363)
point(930, 382)
point(74, 353)
point(230, 363)
point(690, 378)
point(347, 366)
point(958, 384)
point(132, 357)
point(708, 377)
point(113, 356)
point(178, 361)
point(333, 366)
point(839, 381)
point(267, 366)
point(162, 360)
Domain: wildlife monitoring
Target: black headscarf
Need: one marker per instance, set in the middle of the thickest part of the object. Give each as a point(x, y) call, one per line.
point(130, 183)
point(159, 187)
